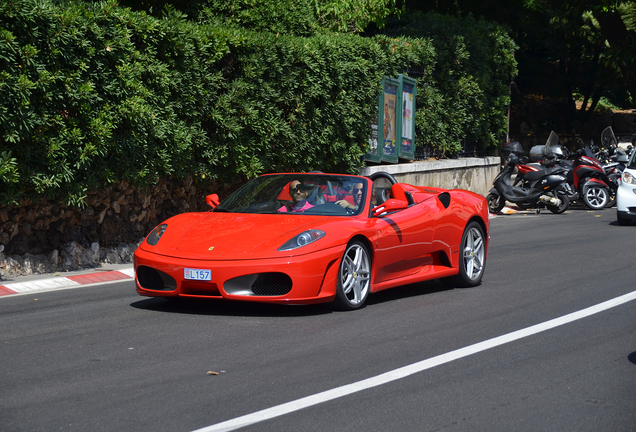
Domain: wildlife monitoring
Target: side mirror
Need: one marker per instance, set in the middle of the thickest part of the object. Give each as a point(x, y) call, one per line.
point(388, 206)
point(212, 200)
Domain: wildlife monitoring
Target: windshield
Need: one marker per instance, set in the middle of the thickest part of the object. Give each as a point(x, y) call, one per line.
point(309, 194)
point(608, 139)
point(632, 161)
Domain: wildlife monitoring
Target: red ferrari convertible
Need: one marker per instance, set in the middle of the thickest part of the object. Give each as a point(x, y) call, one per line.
point(314, 237)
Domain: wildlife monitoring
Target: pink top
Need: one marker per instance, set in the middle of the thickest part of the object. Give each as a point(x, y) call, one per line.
point(306, 206)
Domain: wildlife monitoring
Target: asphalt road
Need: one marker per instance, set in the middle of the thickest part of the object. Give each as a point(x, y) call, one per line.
point(101, 358)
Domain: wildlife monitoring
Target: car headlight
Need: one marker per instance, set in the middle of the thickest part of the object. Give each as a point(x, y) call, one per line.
point(628, 178)
point(155, 235)
point(302, 239)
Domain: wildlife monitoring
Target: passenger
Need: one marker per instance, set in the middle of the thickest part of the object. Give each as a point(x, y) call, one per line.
point(298, 193)
point(356, 192)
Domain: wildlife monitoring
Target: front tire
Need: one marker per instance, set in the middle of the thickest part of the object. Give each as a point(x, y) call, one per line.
point(495, 203)
point(623, 221)
point(472, 261)
point(595, 197)
point(354, 277)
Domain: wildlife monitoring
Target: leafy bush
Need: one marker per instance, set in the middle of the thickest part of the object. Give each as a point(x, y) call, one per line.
point(91, 94)
point(467, 94)
point(306, 103)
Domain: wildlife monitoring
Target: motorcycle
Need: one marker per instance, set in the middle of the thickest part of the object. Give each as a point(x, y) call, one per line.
point(597, 189)
point(610, 150)
point(613, 159)
point(587, 181)
point(546, 191)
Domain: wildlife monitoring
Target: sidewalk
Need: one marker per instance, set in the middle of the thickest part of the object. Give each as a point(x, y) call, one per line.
point(66, 280)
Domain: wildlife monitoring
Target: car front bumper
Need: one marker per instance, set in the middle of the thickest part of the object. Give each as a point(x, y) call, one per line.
point(626, 199)
point(302, 279)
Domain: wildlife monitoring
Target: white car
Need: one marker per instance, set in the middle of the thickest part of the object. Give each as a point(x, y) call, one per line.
point(626, 194)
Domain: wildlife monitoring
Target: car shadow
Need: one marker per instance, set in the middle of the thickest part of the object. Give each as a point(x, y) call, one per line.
point(615, 223)
point(407, 291)
point(202, 306)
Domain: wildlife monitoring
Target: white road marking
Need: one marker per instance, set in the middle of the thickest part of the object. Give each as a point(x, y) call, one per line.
point(128, 272)
point(41, 285)
point(414, 368)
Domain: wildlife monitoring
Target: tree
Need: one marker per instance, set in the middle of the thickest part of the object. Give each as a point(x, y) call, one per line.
point(297, 17)
point(354, 15)
point(571, 49)
point(616, 21)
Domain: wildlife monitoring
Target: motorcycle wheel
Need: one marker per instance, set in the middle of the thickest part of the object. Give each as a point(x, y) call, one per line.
point(495, 203)
point(565, 203)
point(611, 202)
point(596, 198)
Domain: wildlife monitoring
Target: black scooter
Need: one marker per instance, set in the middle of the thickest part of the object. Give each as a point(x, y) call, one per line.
point(546, 191)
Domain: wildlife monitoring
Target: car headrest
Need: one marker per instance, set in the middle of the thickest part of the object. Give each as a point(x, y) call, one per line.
point(284, 194)
point(398, 192)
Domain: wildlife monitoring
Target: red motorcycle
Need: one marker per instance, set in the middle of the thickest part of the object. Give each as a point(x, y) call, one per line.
point(587, 181)
point(591, 181)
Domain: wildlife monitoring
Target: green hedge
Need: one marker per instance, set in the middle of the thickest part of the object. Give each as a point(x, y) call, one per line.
point(303, 104)
point(468, 93)
point(94, 94)
point(89, 96)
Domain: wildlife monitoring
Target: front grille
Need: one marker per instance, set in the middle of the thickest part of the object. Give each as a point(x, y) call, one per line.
point(153, 279)
point(199, 289)
point(272, 284)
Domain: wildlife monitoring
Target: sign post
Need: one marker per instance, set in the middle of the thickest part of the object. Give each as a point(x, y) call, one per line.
point(406, 119)
point(393, 131)
point(388, 110)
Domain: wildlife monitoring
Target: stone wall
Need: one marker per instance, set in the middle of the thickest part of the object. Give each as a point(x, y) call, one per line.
point(46, 236)
point(473, 174)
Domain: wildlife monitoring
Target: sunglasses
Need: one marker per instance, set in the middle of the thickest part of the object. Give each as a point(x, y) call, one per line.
point(298, 189)
point(356, 190)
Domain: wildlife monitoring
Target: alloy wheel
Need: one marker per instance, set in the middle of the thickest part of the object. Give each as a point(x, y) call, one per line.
point(474, 253)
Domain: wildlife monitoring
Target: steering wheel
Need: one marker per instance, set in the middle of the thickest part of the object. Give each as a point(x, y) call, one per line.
point(382, 174)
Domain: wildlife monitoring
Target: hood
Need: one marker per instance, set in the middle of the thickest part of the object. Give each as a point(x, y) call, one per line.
point(230, 236)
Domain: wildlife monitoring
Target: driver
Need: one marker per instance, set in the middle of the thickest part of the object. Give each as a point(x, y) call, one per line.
point(356, 192)
point(298, 193)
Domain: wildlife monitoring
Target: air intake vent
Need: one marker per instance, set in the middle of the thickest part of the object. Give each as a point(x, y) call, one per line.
point(272, 284)
point(152, 279)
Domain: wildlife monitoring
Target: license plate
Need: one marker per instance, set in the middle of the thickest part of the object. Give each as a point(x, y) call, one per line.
point(198, 274)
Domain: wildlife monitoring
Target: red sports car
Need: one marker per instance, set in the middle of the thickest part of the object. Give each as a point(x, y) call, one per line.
point(314, 237)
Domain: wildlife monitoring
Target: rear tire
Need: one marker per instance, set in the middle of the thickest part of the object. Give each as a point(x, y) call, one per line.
point(611, 202)
point(565, 203)
point(472, 258)
point(623, 221)
point(495, 202)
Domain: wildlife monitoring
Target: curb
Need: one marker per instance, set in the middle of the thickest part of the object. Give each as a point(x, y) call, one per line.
point(74, 281)
point(509, 210)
